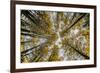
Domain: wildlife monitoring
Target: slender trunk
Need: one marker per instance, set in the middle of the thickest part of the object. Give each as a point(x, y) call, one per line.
point(73, 23)
point(85, 56)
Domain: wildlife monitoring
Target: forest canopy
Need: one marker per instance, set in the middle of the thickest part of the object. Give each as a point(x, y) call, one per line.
point(54, 36)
